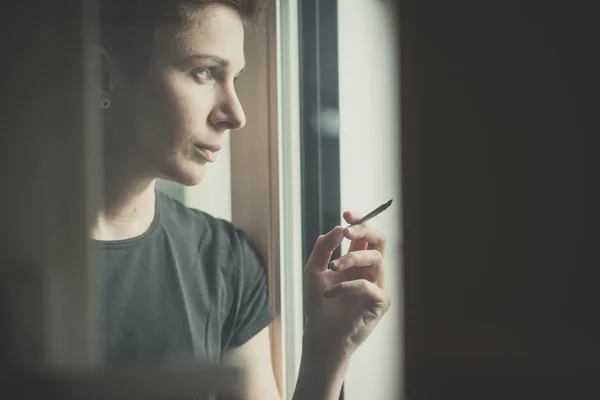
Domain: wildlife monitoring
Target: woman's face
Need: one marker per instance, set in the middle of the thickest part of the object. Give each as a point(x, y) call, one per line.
point(171, 121)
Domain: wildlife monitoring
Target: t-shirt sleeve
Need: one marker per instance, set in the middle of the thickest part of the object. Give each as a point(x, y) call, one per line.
point(251, 311)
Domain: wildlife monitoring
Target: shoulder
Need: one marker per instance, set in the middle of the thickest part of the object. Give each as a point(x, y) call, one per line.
point(200, 228)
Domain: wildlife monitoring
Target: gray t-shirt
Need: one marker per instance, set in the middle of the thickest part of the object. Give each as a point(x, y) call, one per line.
point(190, 285)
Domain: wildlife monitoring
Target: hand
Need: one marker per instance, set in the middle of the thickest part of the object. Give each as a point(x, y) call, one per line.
point(343, 305)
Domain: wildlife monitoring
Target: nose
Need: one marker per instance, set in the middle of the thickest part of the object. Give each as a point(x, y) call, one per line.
point(228, 113)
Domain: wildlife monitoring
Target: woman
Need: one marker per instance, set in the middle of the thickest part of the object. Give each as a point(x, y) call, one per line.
point(178, 280)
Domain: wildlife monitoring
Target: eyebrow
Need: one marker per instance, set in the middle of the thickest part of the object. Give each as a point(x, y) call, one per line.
point(219, 60)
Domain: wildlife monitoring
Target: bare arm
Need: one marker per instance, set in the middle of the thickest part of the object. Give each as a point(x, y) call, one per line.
point(322, 370)
point(255, 356)
point(320, 378)
point(343, 304)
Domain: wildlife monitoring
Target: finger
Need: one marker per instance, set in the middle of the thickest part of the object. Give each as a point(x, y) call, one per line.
point(359, 287)
point(355, 245)
point(366, 258)
point(358, 245)
point(366, 233)
point(324, 247)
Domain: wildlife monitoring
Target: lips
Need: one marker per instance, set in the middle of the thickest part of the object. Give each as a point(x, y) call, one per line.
point(214, 147)
point(209, 152)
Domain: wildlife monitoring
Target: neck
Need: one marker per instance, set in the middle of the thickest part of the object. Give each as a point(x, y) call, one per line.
point(128, 208)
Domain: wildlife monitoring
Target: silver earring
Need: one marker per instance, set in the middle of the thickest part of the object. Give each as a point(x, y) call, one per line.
point(105, 103)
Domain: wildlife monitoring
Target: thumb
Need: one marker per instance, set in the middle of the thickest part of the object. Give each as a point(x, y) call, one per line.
point(351, 216)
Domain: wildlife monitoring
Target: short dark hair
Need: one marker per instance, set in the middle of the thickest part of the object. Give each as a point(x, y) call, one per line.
point(129, 28)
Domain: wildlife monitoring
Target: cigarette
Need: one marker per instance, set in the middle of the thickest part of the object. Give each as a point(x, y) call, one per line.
point(373, 213)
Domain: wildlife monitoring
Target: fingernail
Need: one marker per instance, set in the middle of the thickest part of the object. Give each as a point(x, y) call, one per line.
point(333, 265)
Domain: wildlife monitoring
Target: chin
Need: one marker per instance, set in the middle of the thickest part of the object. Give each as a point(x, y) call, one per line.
point(193, 178)
point(190, 175)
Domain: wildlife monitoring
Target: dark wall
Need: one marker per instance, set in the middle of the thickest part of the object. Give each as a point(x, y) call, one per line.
point(501, 209)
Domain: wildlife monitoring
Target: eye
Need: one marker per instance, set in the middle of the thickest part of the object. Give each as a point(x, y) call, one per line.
point(203, 73)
